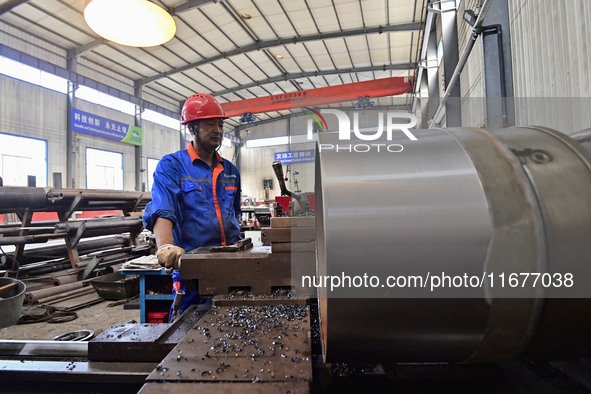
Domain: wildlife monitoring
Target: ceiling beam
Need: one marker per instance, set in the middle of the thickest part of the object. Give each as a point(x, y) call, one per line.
point(82, 49)
point(7, 6)
point(190, 5)
point(257, 46)
point(292, 76)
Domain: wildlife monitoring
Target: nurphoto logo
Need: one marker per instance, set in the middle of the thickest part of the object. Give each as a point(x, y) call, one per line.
point(391, 119)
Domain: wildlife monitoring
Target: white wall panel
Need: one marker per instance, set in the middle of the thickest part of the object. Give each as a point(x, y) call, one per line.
point(551, 52)
point(32, 111)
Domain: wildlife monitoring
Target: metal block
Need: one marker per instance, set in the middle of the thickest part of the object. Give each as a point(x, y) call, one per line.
point(255, 270)
point(143, 342)
point(288, 222)
point(299, 234)
point(290, 247)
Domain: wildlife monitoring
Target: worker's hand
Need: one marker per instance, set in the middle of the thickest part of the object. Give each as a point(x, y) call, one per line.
point(169, 256)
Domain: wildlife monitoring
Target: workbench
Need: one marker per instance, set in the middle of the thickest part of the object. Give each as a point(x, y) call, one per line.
point(156, 281)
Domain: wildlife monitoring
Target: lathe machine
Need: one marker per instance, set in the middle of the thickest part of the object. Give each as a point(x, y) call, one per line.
point(491, 211)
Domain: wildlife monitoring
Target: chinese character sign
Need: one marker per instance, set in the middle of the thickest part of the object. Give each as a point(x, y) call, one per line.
point(84, 122)
point(300, 156)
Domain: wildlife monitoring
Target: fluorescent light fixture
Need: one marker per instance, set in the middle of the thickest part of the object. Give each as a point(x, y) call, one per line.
point(260, 142)
point(136, 23)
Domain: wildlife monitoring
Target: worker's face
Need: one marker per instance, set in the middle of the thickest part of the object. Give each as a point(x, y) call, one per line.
point(211, 134)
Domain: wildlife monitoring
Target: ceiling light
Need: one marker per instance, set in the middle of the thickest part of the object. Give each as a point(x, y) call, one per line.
point(245, 16)
point(137, 23)
point(278, 57)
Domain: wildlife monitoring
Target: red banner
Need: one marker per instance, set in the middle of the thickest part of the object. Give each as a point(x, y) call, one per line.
point(314, 97)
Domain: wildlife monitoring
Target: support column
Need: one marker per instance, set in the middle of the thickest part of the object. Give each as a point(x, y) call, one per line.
point(237, 147)
point(71, 159)
point(181, 130)
point(140, 185)
point(433, 89)
point(500, 107)
point(447, 30)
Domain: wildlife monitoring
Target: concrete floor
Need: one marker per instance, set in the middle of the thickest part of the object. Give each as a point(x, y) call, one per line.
point(97, 318)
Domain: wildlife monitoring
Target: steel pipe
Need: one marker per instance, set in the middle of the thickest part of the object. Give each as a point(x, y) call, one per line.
point(84, 247)
point(33, 297)
point(459, 202)
point(19, 199)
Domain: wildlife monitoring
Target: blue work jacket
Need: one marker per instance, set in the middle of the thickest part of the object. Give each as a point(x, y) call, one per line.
point(203, 203)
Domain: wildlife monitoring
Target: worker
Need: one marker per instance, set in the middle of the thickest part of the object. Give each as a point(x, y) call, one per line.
point(195, 194)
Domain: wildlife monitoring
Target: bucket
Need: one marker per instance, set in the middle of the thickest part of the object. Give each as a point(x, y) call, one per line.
point(11, 301)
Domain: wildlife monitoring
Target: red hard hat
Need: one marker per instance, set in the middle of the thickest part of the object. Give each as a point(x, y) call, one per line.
point(201, 106)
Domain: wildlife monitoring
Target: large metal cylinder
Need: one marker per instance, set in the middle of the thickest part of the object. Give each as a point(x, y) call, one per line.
point(460, 202)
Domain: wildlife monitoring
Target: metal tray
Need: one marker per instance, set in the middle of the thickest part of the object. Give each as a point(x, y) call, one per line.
point(116, 286)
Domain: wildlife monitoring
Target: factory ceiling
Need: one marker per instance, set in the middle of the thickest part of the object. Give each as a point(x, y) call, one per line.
point(232, 49)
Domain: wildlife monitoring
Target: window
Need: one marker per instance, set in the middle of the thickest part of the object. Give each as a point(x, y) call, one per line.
point(226, 141)
point(161, 119)
point(21, 157)
point(152, 163)
point(32, 75)
point(106, 100)
point(104, 169)
point(271, 141)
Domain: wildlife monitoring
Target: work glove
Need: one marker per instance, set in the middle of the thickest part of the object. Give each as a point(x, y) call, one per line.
point(169, 256)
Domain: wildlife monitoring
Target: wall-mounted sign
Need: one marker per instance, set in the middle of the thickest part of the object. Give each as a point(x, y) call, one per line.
point(299, 156)
point(84, 122)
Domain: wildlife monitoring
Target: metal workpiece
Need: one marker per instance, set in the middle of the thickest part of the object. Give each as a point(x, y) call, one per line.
point(256, 270)
point(143, 342)
point(460, 202)
point(559, 170)
point(241, 345)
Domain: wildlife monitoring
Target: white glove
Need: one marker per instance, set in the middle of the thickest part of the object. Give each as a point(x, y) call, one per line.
point(169, 256)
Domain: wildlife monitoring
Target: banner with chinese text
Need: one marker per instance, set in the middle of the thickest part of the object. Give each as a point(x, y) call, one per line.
point(84, 122)
point(300, 156)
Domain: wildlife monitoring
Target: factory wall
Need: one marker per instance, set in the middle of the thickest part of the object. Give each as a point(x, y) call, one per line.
point(33, 111)
point(83, 141)
point(550, 51)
